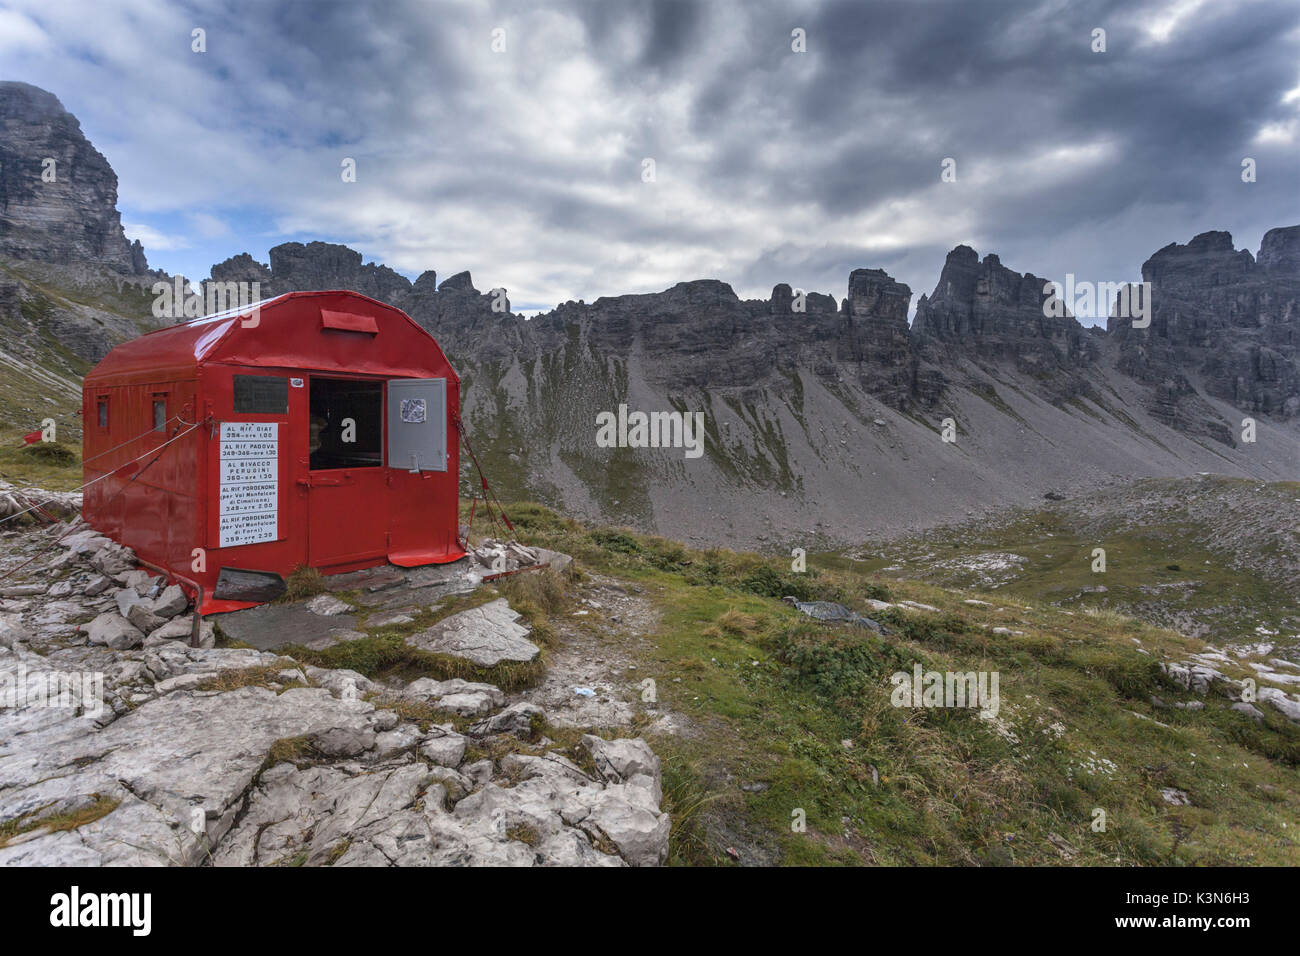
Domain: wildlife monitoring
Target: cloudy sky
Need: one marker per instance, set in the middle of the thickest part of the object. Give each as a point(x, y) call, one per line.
point(527, 165)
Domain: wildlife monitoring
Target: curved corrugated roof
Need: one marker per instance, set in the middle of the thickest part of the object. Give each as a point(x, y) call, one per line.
point(288, 334)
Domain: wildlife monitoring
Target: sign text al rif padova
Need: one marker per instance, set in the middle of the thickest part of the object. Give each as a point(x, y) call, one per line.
point(250, 471)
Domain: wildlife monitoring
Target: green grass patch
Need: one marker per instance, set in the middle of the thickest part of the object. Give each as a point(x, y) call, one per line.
point(48, 818)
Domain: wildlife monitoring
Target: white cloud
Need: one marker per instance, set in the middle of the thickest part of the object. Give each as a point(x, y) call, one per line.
point(152, 239)
point(19, 34)
point(1161, 26)
point(1277, 134)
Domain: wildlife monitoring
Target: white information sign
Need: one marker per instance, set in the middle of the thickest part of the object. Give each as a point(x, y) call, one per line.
point(250, 471)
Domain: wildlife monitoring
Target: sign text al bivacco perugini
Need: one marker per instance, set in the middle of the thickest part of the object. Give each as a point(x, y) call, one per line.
point(250, 470)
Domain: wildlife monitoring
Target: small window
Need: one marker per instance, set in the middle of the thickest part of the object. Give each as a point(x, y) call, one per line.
point(160, 414)
point(102, 407)
point(261, 395)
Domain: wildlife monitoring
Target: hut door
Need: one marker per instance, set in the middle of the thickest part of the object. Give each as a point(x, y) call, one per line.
point(347, 501)
point(421, 473)
point(417, 424)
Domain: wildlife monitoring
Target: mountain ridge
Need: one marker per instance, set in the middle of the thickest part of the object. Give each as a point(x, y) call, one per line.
point(830, 419)
point(810, 414)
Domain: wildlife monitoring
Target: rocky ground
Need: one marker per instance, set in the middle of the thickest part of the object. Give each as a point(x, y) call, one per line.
point(121, 744)
point(1266, 680)
point(1211, 557)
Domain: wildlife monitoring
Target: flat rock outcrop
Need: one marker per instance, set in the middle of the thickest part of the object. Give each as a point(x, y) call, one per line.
point(122, 745)
point(293, 771)
point(486, 635)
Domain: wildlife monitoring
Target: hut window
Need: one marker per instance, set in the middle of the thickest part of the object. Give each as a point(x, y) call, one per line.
point(346, 427)
point(261, 395)
point(160, 414)
point(102, 411)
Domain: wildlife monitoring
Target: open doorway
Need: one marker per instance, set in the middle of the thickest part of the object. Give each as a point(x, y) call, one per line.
point(346, 427)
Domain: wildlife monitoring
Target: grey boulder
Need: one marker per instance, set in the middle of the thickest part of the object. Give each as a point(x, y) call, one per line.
point(443, 746)
point(113, 630)
point(516, 720)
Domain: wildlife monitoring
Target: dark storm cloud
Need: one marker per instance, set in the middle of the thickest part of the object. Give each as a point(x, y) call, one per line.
point(771, 166)
point(672, 32)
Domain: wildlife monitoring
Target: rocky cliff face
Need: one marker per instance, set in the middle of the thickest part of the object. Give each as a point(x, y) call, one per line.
point(984, 311)
point(698, 334)
point(58, 195)
point(71, 286)
point(1223, 324)
point(1279, 252)
point(465, 319)
point(1224, 320)
point(876, 339)
point(316, 265)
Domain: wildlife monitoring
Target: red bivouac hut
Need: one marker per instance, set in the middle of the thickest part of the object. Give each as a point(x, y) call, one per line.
point(316, 429)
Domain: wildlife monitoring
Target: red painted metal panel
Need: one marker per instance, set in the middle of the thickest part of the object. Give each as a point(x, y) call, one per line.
point(167, 508)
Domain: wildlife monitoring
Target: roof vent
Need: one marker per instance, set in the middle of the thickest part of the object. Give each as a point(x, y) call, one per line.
point(348, 322)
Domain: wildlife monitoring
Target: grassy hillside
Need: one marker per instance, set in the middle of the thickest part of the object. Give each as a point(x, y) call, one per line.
point(54, 466)
point(783, 714)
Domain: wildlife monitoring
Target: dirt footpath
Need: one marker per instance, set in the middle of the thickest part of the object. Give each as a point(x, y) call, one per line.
point(592, 677)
